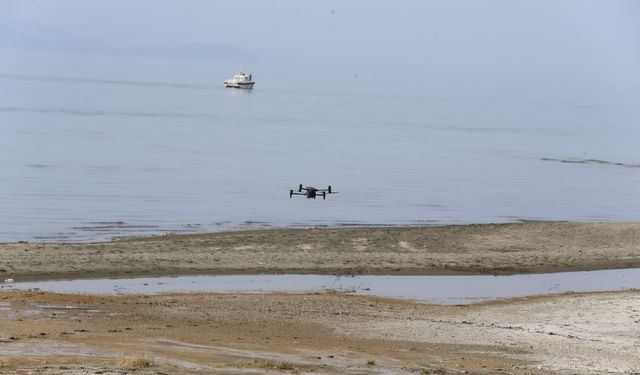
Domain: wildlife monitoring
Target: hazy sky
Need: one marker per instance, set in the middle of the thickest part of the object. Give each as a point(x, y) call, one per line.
point(596, 41)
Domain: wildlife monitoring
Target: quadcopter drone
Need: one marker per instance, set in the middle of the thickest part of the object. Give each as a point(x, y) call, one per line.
point(311, 192)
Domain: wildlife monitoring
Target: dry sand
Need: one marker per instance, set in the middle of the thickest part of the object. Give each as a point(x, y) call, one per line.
point(531, 247)
point(317, 333)
point(324, 333)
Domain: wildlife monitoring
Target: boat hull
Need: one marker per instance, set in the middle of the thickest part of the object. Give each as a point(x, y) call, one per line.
point(246, 86)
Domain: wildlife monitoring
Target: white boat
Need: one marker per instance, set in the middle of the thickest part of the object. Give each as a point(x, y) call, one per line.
point(240, 81)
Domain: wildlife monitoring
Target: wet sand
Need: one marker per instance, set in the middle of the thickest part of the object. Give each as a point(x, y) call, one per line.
point(325, 333)
point(532, 247)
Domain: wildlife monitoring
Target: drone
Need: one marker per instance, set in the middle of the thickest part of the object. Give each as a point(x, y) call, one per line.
point(311, 192)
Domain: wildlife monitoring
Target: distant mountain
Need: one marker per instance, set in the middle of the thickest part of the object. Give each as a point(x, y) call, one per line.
point(38, 37)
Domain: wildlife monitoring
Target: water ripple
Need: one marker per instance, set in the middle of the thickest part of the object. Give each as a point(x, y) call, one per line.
point(592, 161)
point(107, 81)
point(94, 113)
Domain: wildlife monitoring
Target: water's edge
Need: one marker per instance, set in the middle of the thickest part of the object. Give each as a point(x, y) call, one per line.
point(429, 289)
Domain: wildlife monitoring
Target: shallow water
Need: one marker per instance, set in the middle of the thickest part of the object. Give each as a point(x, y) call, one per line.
point(88, 152)
point(432, 289)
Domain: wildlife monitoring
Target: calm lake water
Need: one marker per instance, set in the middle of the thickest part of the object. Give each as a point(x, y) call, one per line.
point(433, 289)
point(97, 147)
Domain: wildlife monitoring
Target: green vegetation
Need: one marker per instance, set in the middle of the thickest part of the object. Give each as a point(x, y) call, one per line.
point(135, 362)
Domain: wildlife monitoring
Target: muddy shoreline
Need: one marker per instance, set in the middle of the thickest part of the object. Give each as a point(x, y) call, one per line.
point(324, 333)
point(501, 249)
point(316, 333)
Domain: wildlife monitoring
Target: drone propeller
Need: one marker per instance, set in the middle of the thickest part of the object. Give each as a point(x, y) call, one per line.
point(328, 191)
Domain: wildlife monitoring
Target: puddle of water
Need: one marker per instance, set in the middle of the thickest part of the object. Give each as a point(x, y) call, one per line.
point(335, 363)
point(238, 353)
point(45, 348)
point(49, 348)
point(432, 289)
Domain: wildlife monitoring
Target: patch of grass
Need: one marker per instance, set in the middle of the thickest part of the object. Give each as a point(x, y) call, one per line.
point(440, 370)
point(135, 362)
point(276, 365)
point(285, 366)
point(11, 363)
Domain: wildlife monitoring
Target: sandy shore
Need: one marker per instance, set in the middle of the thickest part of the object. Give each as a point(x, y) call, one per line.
point(316, 333)
point(531, 247)
point(324, 333)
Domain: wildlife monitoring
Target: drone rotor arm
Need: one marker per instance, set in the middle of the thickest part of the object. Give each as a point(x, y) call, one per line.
point(311, 192)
